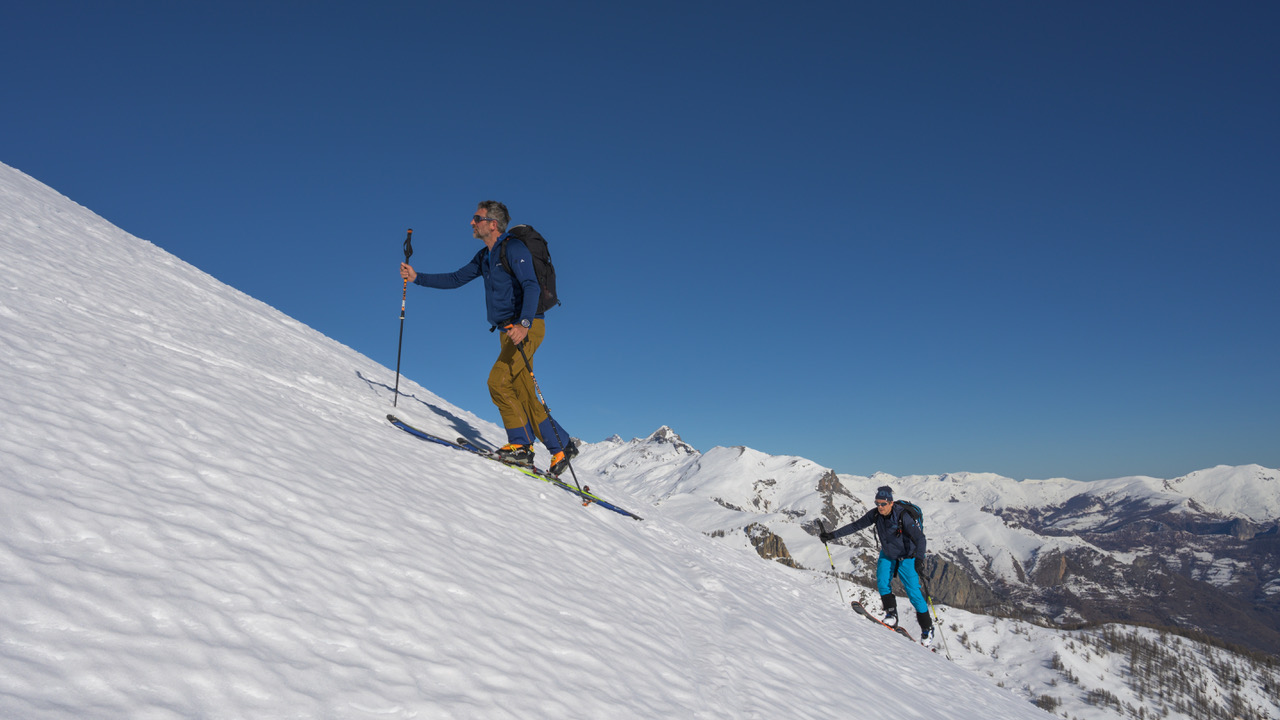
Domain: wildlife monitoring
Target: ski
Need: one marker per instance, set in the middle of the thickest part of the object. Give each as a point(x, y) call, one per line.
point(587, 497)
point(858, 608)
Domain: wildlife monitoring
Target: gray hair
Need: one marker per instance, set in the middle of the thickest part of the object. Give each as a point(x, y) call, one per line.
point(498, 212)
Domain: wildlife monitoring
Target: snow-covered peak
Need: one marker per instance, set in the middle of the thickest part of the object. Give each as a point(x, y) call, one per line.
point(666, 435)
point(1249, 491)
point(1246, 491)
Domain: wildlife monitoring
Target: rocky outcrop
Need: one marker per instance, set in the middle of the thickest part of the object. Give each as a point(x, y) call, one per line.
point(952, 584)
point(768, 544)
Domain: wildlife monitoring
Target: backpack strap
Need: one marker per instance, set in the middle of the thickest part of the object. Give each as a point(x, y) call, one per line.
point(502, 254)
point(906, 508)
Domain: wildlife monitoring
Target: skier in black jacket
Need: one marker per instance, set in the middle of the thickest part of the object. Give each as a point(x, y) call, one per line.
point(901, 538)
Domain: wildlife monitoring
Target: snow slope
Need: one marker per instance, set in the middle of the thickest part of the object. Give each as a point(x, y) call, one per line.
point(726, 490)
point(203, 513)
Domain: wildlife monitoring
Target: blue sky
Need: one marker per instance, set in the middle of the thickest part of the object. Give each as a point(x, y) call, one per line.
point(1025, 238)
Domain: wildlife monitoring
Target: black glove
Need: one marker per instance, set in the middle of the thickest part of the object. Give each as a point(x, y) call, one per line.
point(825, 536)
point(920, 567)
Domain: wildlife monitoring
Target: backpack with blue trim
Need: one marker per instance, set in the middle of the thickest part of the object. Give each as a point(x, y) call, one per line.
point(912, 509)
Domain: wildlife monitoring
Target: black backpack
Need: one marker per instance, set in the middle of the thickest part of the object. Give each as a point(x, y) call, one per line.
point(542, 267)
point(912, 509)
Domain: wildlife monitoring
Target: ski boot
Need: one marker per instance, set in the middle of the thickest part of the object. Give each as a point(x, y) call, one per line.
point(516, 454)
point(560, 462)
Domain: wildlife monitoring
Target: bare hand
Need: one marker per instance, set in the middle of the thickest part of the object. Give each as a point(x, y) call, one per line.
point(407, 273)
point(517, 333)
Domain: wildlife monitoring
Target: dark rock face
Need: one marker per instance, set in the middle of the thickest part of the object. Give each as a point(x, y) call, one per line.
point(1190, 571)
point(769, 545)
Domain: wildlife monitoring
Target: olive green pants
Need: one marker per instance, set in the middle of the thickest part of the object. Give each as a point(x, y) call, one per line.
point(511, 384)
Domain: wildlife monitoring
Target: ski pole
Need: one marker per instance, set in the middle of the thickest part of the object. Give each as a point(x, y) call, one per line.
point(537, 391)
point(937, 621)
point(404, 292)
point(822, 528)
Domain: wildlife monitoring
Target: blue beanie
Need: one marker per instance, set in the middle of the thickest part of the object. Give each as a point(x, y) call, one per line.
point(884, 492)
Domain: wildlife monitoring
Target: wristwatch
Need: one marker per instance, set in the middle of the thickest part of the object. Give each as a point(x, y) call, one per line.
point(525, 324)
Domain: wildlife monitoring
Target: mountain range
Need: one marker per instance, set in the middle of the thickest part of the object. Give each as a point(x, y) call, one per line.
point(1199, 553)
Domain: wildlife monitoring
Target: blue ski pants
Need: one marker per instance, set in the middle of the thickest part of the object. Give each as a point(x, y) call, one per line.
point(907, 574)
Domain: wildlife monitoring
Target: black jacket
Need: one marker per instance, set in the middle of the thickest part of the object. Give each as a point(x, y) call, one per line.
point(900, 534)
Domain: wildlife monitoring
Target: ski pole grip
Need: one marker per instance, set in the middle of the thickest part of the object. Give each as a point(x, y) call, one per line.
point(408, 245)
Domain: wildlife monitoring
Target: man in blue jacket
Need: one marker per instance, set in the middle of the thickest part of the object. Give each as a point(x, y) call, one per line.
point(511, 302)
point(902, 553)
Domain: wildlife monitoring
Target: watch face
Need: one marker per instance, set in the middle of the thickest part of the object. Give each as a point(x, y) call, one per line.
point(524, 323)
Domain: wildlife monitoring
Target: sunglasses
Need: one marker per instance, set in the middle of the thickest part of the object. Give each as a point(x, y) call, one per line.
point(479, 218)
point(881, 503)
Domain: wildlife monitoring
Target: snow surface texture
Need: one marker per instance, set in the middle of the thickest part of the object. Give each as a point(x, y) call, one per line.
point(203, 513)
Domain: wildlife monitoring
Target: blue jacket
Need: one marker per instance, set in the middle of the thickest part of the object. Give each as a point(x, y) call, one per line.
point(901, 537)
point(507, 299)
